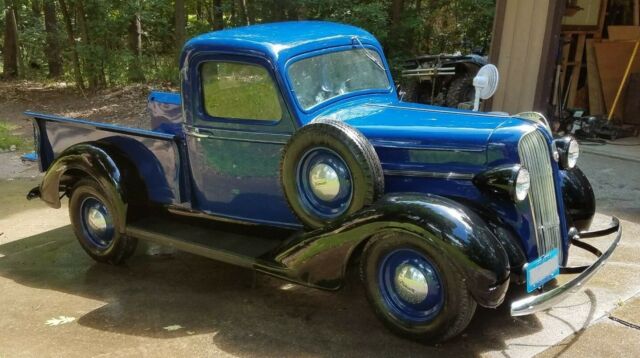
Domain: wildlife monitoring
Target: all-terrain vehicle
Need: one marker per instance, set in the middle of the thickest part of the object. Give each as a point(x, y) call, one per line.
point(441, 80)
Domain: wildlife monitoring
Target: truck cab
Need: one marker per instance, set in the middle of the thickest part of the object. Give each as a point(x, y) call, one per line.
point(289, 152)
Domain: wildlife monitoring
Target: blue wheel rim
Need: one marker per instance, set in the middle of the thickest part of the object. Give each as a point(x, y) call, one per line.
point(410, 312)
point(97, 223)
point(314, 205)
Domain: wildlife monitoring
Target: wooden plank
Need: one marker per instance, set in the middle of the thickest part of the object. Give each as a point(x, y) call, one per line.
point(624, 33)
point(612, 58)
point(632, 101)
point(577, 67)
point(625, 79)
point(596, 100)
point(566, 48)
point(636, 12)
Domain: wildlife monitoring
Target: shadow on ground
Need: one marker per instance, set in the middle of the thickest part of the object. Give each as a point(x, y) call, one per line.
point(243, 313)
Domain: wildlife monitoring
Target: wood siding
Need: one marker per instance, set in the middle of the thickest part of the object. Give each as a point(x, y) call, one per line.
point(523, 52)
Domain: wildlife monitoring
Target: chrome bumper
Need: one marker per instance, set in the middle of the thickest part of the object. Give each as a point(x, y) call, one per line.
point(546, 300)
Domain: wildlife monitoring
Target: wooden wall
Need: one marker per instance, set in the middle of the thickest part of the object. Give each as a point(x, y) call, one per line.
point(524, 48)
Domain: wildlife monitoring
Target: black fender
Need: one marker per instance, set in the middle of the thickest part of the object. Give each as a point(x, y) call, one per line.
point(579, 199)
point(89, 160)
point(320, 258)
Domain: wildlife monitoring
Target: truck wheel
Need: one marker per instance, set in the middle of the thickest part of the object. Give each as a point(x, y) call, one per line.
point(329, 170)
point(461, 90)
point(97, 228)
point(414, 290)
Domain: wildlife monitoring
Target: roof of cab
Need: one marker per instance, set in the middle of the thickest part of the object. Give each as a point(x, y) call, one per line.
point(279, 40)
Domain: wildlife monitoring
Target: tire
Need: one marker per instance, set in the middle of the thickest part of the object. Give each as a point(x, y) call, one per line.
point(439, 312)
point(97, 229)
point(460, 90)
point(422, 93)
point(347, 171)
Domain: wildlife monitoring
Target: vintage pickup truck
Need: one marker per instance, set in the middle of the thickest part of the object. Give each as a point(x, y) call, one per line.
point(289, 152)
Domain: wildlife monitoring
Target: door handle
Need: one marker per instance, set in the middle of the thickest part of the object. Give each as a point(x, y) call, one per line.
point(197, 133)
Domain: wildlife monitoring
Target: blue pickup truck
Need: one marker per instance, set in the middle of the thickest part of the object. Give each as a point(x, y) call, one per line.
point(289, 152)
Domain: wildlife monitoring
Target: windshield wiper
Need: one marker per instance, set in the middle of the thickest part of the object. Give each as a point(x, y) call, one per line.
point(369, 56)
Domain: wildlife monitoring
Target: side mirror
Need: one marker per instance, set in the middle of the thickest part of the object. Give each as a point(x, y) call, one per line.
point(486, 84)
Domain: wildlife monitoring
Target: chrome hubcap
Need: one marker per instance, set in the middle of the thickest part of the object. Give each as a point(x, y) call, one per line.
point(411, 284)
point(324, 181)
point(96, 220)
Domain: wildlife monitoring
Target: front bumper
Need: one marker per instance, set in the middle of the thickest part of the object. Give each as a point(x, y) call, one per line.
point(535, 303)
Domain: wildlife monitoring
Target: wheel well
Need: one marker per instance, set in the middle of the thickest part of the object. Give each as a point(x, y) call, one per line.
point(70, 178)
point(134, 188)
point(356, 253)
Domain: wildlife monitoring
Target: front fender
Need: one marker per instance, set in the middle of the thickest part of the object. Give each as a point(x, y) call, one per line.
point(579, 199)
point(90, 161)
point(319, 258)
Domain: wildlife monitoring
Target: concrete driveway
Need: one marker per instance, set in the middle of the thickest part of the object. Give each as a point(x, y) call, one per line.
point(55, 301)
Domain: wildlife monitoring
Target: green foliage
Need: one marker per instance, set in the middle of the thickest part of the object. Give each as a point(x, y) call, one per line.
point(8, 139)
point(101, 29)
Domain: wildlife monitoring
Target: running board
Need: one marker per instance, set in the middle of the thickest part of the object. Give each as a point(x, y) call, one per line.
point(235, 244)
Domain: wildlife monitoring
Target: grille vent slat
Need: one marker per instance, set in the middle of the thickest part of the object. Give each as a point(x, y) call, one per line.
point(535, 156)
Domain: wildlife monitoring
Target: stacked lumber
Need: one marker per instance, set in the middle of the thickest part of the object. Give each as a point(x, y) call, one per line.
point(616, 61)
point(612, 64)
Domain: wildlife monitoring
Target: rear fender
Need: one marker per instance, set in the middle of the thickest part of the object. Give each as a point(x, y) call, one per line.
point(319, 258)
point(91, 161)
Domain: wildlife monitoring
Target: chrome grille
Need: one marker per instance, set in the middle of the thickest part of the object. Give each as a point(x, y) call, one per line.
point(535, 156)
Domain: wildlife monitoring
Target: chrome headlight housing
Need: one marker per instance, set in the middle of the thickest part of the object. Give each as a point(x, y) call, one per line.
point(569, 151)
point(511, 181)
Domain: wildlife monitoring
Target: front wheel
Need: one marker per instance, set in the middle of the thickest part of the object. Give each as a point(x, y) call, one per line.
point(414, 289)
point(96, 226)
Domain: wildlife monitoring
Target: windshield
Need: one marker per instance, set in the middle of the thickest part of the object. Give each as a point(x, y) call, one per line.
point(323, 77)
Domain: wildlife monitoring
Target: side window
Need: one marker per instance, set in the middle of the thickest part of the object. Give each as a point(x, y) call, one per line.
point(240, 91)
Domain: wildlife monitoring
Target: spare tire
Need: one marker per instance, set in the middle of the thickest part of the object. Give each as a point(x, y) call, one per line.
point(329, 170)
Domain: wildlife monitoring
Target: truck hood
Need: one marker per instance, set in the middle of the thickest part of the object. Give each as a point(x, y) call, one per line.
point(432, 133)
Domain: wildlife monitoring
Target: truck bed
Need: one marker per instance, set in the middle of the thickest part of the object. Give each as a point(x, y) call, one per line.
point(155, 154)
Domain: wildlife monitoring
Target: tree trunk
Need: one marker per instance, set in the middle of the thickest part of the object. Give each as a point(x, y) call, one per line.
point(293, 11)
point(36, 8)
point(135, 46)
point(242, 12)
point(251, 12)
point(77, 72)
point(200, 10)
point(396, 12)
point(233, 19)
point(91, 69)
point(278, 11)
point(181, 24)
point(10, 60)
point(53, 46)
point(218, 20)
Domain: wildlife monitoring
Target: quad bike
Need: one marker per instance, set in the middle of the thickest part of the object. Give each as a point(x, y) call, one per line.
point(441, 80)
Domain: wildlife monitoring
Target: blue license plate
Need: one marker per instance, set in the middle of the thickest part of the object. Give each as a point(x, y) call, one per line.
point(542, 270)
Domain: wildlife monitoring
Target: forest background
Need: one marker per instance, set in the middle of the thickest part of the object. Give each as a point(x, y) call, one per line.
point(98, 44)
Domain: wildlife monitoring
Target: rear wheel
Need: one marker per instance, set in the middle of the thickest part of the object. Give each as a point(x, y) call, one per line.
point(96, 226)
point(414, 289)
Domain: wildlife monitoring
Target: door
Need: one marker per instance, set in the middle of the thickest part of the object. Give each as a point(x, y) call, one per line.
point(238, 129)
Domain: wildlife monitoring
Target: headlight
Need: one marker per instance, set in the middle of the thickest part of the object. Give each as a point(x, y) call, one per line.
point(569, 151)
point(510, 181)
point(523, 183)
point(573, 153)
